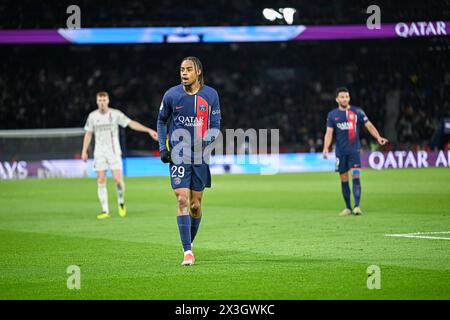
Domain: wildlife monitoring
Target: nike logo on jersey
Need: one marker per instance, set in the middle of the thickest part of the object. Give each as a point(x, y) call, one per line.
point(179, 107)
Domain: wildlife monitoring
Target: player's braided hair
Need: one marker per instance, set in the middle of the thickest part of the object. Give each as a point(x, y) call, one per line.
point(198, 66)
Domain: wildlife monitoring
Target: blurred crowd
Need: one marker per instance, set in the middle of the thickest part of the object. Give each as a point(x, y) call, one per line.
point(22, 14)
point(289, 86)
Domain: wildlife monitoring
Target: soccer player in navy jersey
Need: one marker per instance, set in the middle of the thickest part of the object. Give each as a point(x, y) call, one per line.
point(191, 110)
point(345, 122)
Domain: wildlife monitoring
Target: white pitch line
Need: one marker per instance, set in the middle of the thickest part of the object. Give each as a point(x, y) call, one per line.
point(436, 232)
point(418, 235)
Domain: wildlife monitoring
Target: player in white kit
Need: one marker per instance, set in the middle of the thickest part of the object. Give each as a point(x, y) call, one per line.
point(104, 123)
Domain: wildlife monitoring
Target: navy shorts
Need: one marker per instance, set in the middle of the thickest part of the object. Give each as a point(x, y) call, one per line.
point(349, 161)
point(192, 176)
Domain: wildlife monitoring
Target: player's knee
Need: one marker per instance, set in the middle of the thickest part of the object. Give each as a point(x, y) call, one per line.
point(182, 201)
point(344, 177)
point(195, 208)
point(101, 180)
point(117, 180)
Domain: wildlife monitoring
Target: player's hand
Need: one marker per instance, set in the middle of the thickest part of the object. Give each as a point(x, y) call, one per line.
point(382, 141)
point(325, 153)
point(209, 141)
point(84, 156)
point(153, 134)
point(165, 156)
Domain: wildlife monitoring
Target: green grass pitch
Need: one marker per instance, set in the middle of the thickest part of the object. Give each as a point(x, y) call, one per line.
point(262, 237)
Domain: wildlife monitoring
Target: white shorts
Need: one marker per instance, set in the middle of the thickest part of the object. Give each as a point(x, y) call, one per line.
point(107, 162)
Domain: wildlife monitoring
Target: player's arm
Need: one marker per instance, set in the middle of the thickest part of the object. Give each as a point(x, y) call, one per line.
point(86, 143)
point(214, 123)
point(374, 132)
point(328, 135)
point(161, 126)
point(327, 141)
point(141, 128)
point(89, 128)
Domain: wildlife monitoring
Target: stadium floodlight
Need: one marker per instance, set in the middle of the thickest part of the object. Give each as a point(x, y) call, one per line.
point(288, 14)
point(271, 14)
point(283, 13)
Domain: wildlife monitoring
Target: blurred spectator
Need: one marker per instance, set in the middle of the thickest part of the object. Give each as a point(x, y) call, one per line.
point(23, 14)
point(289, 86)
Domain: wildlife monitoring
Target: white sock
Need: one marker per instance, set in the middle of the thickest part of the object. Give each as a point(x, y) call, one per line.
point(103, 196)
point(120, 192)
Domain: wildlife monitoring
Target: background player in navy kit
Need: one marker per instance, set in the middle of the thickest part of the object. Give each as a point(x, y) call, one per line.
point(194, 107)
point(345, 121)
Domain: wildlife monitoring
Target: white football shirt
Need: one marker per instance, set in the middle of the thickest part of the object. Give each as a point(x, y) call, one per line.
point(105, 127)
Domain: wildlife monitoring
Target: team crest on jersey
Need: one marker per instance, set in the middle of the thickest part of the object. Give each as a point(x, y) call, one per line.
point(177, 180)
point(351, 116)
point(202, 108)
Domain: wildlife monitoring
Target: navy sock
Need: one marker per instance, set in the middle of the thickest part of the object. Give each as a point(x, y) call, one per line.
point(357, 191)
point(195, 224)
point(184, 226)
point(346, 193)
